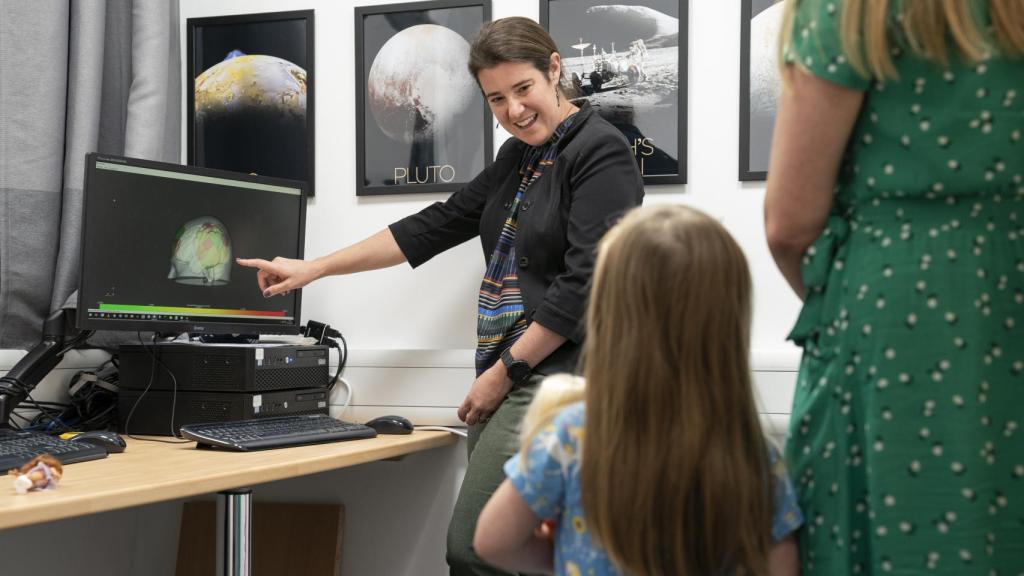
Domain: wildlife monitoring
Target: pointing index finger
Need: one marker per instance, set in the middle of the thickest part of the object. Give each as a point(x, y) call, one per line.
point(254, 263)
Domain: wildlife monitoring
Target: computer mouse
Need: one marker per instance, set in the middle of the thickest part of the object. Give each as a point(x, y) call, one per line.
point(391, 424)
point(109, 441)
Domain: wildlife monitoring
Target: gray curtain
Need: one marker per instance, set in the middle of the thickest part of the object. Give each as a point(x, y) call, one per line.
point(75, 77)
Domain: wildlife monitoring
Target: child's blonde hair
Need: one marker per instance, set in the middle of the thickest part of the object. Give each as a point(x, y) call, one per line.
point(926, 25)
point(555, 392)
point(674, 467)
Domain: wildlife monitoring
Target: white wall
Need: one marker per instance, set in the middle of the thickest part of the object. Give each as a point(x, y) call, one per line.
point(412, 332)
point(432, 309)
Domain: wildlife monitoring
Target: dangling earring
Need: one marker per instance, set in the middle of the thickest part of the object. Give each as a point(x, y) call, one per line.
point(558, 99)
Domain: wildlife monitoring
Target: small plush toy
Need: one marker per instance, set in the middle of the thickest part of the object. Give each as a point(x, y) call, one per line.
point(40, 473)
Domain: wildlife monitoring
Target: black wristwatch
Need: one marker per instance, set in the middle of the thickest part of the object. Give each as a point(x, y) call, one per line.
point(518, 370)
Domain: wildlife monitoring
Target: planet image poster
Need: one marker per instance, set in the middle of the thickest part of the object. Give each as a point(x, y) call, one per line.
point(421, 121)
point(629, 62)
point(251, 94)
point(760, 85)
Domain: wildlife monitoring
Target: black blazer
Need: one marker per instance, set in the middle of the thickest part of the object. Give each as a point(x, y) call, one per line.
point(563, 215)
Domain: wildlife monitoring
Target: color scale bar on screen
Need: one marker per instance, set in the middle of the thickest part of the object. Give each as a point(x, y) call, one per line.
point(184, 311)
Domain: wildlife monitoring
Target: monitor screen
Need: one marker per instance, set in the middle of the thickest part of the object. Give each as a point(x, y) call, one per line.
point(159, 243)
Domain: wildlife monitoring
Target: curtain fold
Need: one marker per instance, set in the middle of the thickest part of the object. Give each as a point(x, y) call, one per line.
point(75, 77)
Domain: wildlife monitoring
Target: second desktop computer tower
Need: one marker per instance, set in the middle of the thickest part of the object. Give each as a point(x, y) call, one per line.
point(218, 383)
point(164, 412)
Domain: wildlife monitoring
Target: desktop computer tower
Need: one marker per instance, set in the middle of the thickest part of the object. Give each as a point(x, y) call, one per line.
point(158, 412)
point(223, 368)
point(218, 383)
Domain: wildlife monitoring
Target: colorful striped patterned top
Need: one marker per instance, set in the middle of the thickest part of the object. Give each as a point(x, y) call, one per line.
point(500, 316)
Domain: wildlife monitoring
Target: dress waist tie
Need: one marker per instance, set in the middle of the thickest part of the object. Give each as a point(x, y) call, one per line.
point(825, 256)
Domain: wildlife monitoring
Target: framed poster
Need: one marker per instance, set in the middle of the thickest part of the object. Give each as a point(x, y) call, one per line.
point(251, 94)
point(421, 122)
point(760, 84)
point(629, 62)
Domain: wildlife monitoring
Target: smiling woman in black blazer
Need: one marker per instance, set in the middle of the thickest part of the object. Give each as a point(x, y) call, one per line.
point(539, 209)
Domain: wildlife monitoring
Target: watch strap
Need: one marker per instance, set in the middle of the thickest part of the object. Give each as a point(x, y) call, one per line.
point(506, 357)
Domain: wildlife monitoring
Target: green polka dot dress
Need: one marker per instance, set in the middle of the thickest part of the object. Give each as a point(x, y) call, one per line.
point(906, 440)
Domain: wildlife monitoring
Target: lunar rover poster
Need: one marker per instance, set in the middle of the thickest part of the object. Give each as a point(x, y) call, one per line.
point(421, 122)
point(759, 85)
point(629, 62)
point(250, 94)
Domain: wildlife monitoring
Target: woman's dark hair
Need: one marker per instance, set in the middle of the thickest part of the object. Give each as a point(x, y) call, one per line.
point(513, 39)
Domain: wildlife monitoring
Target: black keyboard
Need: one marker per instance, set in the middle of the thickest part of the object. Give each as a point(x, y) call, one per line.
point(18, 447)
point(281, 432)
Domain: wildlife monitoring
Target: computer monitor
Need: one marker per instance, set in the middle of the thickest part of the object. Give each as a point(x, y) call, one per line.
point(159, 243)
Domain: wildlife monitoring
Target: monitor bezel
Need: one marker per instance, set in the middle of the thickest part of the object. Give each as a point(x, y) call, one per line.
point(190, 327)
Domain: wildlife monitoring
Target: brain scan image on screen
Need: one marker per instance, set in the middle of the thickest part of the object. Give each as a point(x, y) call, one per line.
point(201, 255)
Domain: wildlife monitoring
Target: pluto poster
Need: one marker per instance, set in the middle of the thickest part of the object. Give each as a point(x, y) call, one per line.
point(760, 85)
point(629, 62)
point(422, 125)
point(251, 94)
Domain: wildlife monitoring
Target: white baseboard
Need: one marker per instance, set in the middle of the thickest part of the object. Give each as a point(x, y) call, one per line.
point(427, 386)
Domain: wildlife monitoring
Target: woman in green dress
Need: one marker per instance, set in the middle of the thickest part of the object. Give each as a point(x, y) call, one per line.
point(895, 209)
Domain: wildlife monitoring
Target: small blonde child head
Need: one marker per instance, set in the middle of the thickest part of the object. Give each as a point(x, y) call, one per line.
point(674, 466)
point(554, 393)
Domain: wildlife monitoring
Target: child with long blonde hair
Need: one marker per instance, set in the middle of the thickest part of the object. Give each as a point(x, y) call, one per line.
point(663, 467)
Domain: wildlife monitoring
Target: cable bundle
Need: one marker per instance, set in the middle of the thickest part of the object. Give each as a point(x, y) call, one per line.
point(92, 404)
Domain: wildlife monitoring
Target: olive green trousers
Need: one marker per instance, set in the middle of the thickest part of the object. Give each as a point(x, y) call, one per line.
point(490, 446)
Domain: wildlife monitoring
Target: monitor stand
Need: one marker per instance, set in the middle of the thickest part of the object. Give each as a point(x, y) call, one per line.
point(16, 385)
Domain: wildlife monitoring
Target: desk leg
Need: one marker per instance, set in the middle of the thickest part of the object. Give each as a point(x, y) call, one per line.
point(237, 532)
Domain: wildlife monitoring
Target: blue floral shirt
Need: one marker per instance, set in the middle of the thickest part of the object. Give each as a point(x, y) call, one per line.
point(550, 485)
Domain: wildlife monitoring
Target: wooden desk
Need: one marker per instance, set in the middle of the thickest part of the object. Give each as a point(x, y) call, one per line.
point(149, 472)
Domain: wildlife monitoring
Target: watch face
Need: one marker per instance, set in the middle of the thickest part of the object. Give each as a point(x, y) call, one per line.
point(519, 371)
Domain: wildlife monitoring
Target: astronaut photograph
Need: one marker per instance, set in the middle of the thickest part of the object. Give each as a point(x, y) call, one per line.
point(251, 94)
point(629, 62)
point(759, 85)
point(422, 124)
